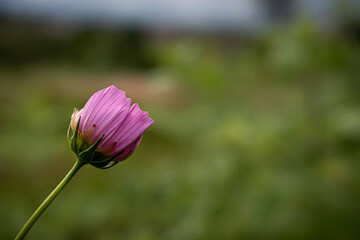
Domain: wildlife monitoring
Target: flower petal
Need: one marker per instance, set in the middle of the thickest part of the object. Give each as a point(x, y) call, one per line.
point(111, 118)
point(108, 108)
point(131, 128)
point(89, 107)
point(129, 150)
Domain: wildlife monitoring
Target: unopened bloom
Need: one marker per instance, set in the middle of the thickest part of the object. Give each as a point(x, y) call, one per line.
point(108, 129)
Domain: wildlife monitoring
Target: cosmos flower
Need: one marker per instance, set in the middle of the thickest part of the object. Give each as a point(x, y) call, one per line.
point(108, 129)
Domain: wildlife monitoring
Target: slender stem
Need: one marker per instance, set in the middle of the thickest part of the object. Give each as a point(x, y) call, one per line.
point(78, 164)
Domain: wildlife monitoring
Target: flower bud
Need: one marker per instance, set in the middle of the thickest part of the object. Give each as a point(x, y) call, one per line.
point(108, 129)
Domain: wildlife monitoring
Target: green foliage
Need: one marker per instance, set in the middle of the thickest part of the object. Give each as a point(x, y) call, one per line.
point(263, 143)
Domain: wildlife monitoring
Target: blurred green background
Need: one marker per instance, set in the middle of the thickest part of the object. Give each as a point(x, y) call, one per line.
point(256, 136)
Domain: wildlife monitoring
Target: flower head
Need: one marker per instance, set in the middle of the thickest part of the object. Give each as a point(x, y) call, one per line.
point(108, 129)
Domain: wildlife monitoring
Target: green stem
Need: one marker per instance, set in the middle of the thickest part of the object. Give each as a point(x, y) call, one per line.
point(78, 164)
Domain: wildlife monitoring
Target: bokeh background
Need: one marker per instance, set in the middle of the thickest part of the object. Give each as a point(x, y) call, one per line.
point(256, 107)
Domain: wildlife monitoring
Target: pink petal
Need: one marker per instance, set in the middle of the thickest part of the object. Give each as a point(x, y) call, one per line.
point(129, 150)
point(131, 128)
point(89, 106)
point(107, 107)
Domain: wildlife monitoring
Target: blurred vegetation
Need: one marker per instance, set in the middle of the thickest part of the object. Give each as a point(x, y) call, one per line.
point(254, 137)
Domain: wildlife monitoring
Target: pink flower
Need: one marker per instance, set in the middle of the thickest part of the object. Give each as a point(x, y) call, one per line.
point(109, 125)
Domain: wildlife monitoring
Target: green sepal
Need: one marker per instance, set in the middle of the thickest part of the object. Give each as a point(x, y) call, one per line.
point(101, 161)
point(88, 154)
point(104, 164)
point(82, 145)
point(74, 138)
point(109, 166)
point(101, 164)
point(107, 163)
